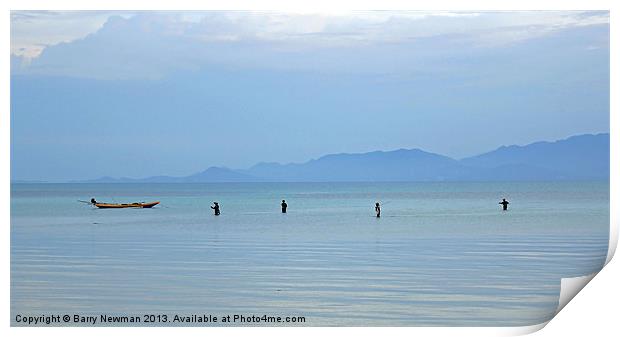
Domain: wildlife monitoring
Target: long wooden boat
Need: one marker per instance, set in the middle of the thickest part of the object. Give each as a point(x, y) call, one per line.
point(132, 205)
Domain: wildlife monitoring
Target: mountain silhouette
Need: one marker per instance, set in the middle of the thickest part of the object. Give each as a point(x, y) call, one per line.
point(584, 157)
point(578, 157)
point(399, 165)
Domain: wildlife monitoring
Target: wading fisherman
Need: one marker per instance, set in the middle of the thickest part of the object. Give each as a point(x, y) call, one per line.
point(504, 204)
point(378, 209)
point(284, 206)
point(216, 208)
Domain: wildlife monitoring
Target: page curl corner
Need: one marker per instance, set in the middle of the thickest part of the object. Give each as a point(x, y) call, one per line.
point(570, 287)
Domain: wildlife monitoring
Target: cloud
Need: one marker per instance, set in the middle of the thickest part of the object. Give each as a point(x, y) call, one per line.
point(33, 31)
point(152, 44)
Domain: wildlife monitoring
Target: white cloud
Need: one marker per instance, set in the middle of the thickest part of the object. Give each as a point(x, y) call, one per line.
point(32, 31)
point(149, 44)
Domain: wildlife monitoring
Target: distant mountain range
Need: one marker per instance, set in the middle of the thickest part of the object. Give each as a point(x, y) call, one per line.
point(584, 157)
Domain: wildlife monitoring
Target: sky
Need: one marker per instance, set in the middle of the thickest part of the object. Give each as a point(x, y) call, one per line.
point(136, 94)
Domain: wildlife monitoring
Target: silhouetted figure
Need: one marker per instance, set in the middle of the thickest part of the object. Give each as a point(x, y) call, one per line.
point(378, 209)
point(216, 208)
point(93, 201)
point(504, 204)
point(284, 206)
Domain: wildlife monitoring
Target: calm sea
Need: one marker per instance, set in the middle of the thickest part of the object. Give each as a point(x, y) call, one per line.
point(441, 254)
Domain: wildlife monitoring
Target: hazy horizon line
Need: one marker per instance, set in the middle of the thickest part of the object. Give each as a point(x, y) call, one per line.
point(91, 180)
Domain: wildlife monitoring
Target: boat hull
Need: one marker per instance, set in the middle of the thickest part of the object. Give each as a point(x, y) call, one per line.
point(132, 205)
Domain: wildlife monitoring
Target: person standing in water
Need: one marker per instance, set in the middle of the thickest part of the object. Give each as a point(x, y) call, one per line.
point(284, 206)
point(378, 209)
point(216, 208)
point(504, 204)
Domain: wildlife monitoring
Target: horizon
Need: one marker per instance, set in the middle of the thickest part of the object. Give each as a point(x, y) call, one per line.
point(310, 160)
point(139, 94)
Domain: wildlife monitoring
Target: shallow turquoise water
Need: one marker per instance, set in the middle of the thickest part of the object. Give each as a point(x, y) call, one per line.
point(441, 254)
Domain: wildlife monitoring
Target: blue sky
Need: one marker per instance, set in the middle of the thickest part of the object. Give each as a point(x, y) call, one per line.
point(148, 93)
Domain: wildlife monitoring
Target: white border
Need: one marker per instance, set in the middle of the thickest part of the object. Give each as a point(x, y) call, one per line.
point(315, 6)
